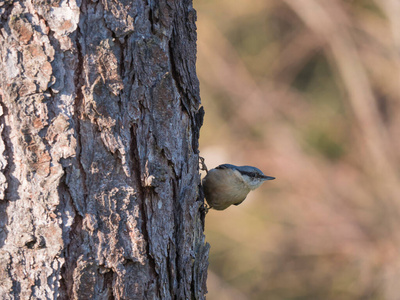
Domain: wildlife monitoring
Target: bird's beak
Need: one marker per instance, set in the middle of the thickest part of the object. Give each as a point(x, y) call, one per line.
point(268, 177)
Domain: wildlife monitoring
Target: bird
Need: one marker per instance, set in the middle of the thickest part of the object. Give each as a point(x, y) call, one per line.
point(229, 184)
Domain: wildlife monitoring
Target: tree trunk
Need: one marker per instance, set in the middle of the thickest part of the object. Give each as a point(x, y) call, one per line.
point(99, 181)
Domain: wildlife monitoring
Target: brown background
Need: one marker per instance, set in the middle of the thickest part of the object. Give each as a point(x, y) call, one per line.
point(307, 91)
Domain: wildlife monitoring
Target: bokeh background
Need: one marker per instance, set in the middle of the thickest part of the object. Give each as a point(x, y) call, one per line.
point(308, 91)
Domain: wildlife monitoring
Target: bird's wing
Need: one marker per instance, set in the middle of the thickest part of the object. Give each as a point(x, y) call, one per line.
point(226, 166)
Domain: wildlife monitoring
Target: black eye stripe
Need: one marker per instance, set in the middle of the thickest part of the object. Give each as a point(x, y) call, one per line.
point(250, 174)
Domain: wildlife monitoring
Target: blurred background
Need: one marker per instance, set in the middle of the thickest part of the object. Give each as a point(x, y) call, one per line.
point(308, 91)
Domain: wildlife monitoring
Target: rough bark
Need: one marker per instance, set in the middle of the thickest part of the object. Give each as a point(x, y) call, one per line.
point(99, 183)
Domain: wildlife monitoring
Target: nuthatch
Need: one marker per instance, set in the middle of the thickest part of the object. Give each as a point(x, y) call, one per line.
point(228, 184)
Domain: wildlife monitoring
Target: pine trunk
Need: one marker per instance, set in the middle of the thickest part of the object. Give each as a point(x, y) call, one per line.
point(99, 183)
